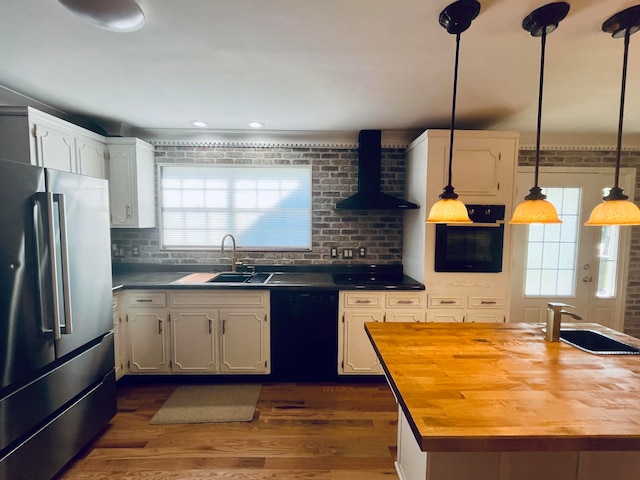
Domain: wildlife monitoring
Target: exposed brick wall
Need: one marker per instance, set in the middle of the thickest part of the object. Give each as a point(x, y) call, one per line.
point(592, 159)
point(334, 177)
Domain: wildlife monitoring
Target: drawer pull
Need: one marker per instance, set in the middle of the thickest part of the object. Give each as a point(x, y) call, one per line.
point(363, 301)
point(405, 302)
point(447, 302)
point(144, 300)
point(488, 302)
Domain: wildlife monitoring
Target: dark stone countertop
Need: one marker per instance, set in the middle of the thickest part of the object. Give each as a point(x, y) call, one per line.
point(290, 278)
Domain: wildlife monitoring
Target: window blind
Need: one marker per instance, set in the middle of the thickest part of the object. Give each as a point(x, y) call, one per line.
point(264, 207)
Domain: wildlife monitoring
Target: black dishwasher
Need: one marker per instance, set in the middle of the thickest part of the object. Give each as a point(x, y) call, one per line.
point(304, 335)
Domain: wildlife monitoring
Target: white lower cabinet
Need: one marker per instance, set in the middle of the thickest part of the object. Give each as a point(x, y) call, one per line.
point(120, 338)
point(244, 341)
point(194, 343)
point(355, 352)
point(466, 308)
point(207, 332)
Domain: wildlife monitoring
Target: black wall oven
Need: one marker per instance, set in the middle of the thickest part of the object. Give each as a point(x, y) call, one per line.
point(475, 247)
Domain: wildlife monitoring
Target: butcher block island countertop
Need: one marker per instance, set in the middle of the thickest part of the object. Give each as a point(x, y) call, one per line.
point(504, 388)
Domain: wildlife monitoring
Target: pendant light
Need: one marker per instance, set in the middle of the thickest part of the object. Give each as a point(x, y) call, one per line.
point(616, 208)
point(113, 15)
point(455, 18)
point(536, 208)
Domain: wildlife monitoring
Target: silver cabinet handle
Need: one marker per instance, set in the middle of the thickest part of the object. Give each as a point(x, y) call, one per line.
point(144, 300)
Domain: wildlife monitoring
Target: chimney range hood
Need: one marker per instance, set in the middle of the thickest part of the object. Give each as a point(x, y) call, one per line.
point(369, 196)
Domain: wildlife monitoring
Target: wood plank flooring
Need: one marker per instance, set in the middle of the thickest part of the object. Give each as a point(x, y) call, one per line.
point(299, 431)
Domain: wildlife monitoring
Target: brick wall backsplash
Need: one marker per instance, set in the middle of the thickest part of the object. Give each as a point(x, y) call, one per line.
point(334, 177)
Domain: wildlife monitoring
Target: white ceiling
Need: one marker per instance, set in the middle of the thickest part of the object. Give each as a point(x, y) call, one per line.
point(323, 65)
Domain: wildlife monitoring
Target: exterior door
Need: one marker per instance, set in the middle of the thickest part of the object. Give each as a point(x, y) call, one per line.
point(585, 267)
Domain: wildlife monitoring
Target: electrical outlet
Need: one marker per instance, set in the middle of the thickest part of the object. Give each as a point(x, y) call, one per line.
point(362, 252)
point(135, 251)
point(347, 253)
point(334, 252)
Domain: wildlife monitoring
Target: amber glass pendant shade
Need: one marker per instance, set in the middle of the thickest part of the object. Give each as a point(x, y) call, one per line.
point(535, 211)
point(614, 212)
point(448, 210)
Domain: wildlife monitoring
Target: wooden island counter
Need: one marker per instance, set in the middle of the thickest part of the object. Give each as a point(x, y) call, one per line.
point(499, 402)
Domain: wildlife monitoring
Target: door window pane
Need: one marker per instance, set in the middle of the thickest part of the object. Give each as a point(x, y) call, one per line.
point(552, 248)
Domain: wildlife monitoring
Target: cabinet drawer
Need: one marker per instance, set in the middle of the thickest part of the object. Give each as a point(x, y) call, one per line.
point(405, 300)
point(444, 301)
point(486, 302)
point(155, 299)
point(362, 299)
point(221, 298)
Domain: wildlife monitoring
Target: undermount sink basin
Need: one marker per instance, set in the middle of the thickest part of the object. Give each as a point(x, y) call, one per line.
point(595, 342)
point(240, 277)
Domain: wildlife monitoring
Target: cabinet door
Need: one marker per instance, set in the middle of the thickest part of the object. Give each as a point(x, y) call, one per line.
point(446, 315)
point(193, 341)
point(149, 348)
point(404, 316)
point(244, 341)
point(131, 184)
point(90, 157)
point(358, 355)
point(120, 339)
point(486, 316)
point(55, 147)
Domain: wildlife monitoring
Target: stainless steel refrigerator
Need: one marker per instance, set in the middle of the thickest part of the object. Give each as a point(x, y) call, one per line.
point(57, 381)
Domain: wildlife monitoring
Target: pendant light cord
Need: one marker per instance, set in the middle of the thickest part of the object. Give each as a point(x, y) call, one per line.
point(623, 89)
point(543, 47)
point(453, 110)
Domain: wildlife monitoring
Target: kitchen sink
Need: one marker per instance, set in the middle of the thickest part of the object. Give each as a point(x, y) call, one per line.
point(595, 342)
point(240, 277)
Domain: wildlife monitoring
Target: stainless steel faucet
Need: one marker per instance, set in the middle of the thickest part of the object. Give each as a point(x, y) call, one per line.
point(555, 311)
point(234, 258)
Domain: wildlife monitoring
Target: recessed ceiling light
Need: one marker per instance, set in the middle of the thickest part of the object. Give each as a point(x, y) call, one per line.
point(255, 124)
point(198, 123)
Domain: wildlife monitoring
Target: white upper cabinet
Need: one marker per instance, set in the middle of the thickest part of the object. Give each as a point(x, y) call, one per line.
point(131, 183)
point(30, 136)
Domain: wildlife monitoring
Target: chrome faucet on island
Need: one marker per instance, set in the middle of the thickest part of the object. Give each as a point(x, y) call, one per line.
point(555, 311)
point(234, 257)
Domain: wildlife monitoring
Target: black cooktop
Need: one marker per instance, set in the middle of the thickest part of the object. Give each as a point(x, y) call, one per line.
point(368, 279)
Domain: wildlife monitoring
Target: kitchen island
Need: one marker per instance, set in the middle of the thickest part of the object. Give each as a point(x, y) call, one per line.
point(498, 402)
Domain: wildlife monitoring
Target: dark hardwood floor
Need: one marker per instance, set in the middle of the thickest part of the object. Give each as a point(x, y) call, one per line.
point(299, 431)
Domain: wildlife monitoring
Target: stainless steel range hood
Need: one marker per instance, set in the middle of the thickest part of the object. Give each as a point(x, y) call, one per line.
point(369, 196)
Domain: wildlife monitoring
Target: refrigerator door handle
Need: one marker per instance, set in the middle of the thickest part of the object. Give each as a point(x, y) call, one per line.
point(56, 231)
point(43, 261)
point(67, 328)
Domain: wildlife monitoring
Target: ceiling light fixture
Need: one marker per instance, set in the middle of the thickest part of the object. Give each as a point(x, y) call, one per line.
point(456, 18)
point(616, 208)
point(536, 208)
point(255, 124)
point(112, 15)
point(199, 124)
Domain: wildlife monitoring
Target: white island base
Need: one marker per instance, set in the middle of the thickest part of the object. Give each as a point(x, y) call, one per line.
point(414, 464)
